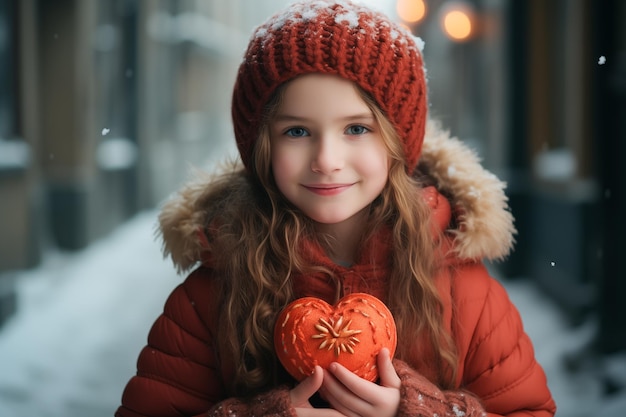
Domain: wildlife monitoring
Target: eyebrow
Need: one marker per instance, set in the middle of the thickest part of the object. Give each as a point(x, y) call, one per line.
point(290, 117)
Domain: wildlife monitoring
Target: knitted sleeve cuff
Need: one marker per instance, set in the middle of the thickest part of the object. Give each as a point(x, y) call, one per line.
point(274, 403)
point(420, 397)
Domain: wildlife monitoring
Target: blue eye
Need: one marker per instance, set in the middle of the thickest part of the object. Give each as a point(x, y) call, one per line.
point(296, 132)
point(357, 130)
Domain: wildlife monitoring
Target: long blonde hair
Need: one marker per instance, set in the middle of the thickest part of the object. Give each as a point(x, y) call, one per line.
point(254, 248)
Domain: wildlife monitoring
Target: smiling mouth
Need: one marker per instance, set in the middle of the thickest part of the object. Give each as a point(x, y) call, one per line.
point(327, 189)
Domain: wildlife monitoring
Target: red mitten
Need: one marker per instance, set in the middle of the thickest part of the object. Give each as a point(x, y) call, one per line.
point(311, 332)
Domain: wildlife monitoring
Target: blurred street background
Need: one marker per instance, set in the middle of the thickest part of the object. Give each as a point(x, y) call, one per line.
point(107, 105)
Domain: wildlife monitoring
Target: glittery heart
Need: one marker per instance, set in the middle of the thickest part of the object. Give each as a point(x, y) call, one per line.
point(310, 332)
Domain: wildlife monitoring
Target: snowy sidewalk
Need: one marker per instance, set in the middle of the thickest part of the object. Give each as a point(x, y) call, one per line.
point(83, 318)
point(576, 394)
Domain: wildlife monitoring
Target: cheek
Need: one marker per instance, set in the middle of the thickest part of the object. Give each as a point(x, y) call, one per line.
point(284, 166)
point(375, 163)
point(382, 174)
point(377, 170)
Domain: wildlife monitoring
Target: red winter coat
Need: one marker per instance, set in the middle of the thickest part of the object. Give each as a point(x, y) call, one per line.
point(178, 372)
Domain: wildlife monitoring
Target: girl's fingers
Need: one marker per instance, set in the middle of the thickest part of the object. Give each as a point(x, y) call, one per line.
point(355, 396)
point(386, 371)
point(346, 392)
point(304, 390)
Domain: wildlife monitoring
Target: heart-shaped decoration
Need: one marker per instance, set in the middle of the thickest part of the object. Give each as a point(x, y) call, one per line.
point(310, 332)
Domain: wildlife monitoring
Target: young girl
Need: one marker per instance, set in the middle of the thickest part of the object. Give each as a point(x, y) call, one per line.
point(343, 189)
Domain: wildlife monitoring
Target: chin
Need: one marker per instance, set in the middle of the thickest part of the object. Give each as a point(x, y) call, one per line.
point(328, 220)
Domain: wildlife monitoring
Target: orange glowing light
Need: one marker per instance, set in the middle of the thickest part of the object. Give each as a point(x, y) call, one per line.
point(411, 10)
point(457, 24)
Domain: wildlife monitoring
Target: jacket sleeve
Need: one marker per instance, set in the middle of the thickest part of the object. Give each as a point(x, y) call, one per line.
point(497, 357)
point(177, 371)
point(420, 397)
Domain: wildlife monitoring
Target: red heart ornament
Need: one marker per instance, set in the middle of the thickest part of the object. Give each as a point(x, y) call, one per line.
point(310, 332)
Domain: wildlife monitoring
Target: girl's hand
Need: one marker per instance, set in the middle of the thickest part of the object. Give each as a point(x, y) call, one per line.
point(355, 396)
point(304, 390)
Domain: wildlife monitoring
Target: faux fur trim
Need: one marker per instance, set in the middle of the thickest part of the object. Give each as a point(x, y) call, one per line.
point(485, 224)
point(182, 217)
point(185, 214)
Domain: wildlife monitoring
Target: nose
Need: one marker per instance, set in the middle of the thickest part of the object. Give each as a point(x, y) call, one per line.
point(328, 155)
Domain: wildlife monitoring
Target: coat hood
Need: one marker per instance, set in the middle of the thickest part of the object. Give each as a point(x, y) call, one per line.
point(483, 222)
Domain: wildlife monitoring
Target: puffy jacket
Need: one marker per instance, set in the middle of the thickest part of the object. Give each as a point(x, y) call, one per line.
point(179, 372)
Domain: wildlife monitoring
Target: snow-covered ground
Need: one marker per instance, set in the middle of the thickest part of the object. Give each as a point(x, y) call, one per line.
point(81, 321)
point(83, 318)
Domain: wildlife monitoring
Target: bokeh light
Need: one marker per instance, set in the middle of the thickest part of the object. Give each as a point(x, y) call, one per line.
point(457, 23)
point(411, 11)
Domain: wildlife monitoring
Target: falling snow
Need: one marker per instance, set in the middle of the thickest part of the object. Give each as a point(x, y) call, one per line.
point(602, 60)
point(105, 131)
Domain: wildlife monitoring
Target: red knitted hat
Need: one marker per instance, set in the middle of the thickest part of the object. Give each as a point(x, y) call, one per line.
point(333, 37)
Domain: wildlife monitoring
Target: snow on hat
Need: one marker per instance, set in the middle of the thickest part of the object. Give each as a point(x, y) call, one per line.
point(333, 37)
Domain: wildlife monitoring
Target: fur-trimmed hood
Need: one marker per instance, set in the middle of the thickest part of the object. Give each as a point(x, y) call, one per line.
point(484, 223)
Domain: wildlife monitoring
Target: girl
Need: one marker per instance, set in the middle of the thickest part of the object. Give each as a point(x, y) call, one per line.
point(329, 112)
